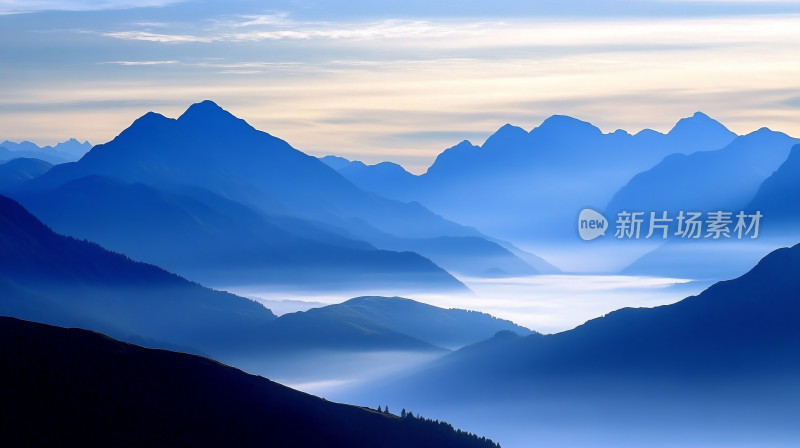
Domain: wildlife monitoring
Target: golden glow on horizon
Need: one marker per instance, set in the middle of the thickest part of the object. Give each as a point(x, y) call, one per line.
point(616, 74)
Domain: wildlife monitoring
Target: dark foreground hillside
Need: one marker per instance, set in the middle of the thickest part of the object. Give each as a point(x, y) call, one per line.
point(71, 387)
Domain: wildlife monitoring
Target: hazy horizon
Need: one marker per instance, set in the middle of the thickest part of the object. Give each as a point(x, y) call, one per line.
point(378, 81)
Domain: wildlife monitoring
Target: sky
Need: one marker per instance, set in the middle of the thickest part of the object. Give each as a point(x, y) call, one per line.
point(396, 80)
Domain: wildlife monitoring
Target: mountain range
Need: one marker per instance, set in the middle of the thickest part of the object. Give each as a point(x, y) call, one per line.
point(399, 321)
point(707, 366)
point(80, 388)
point(778, 197)
point(253, 210)
point(17, 172)
point(723, 179)
point(66, 151)
point(740, 177)
point(529, 186)
point(59, 280)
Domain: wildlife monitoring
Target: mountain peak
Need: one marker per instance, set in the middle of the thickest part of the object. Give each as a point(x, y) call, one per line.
point(207, 115)
point(508, 134)
point(700, 124)
point(146, 123)
point(206, 108)
point(464, 144)
point(564, 124)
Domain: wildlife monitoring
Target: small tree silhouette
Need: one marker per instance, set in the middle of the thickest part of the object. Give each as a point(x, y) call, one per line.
point(403, 413)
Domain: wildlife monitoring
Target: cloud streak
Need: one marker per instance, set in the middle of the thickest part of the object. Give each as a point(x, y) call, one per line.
point(135, 63)
point(775, 30)
point(29, 6)
point(288, 30)
point(401, 88)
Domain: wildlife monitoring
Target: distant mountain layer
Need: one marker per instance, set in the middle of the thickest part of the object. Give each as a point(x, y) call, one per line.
point(778, 197)
point(529, 186)
point(741, 331)
point(81, 388)
point(207, 237)
point(399, 322)
point(722, 366)
point(54, 279)
point(724, 179)
point(208, 162)
point(58, 280)
point(66, 151)
point(16, 172)
point(709, 181)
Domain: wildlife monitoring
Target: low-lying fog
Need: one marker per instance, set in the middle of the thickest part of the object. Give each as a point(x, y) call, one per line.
point(544, 303)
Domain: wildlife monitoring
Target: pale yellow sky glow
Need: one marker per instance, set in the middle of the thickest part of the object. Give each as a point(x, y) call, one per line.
point(467, 80)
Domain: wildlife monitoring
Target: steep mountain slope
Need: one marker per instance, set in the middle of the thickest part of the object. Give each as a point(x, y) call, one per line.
point(448, 328)
point(81, 388)
point(16, 172)
point(778, 197)
point(529, 186)
point(719, 366)
point(66, 151)
point(208, 148)
point(206, 237)
point(54, 279)
point(725, 179)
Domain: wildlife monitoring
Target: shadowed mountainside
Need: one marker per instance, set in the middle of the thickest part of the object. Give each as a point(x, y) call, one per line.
point(16, 172)
point(523, 186)
point(66, 151)
point(59, 280)
point(720, 366)
point(395, 316)
point(207, 154)
point(82, 388)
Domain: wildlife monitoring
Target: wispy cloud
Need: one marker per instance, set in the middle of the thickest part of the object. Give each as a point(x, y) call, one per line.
point(511, 33)
point(158, 37)
point(27, 6)
point(404, 88)
point(134, 63)
point(280, 28)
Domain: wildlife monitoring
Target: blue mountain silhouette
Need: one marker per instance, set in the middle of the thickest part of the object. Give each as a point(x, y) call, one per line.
point(59, 280)
point(707, 181)
point(390, 322)
point(724, 179)
point(209, 149)
point(778, 197)
point(524, 186)
point(207, 237)
point(17, 172)
point(677, 373)
point(65, 151)
point(475, 255)
point(84, 389)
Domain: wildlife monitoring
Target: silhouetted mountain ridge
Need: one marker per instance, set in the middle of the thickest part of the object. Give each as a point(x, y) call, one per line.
point(17, 172)
point(523, 186)
point(393, 317)
point(82, 388)
point(59, 280)
point(65, 151)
